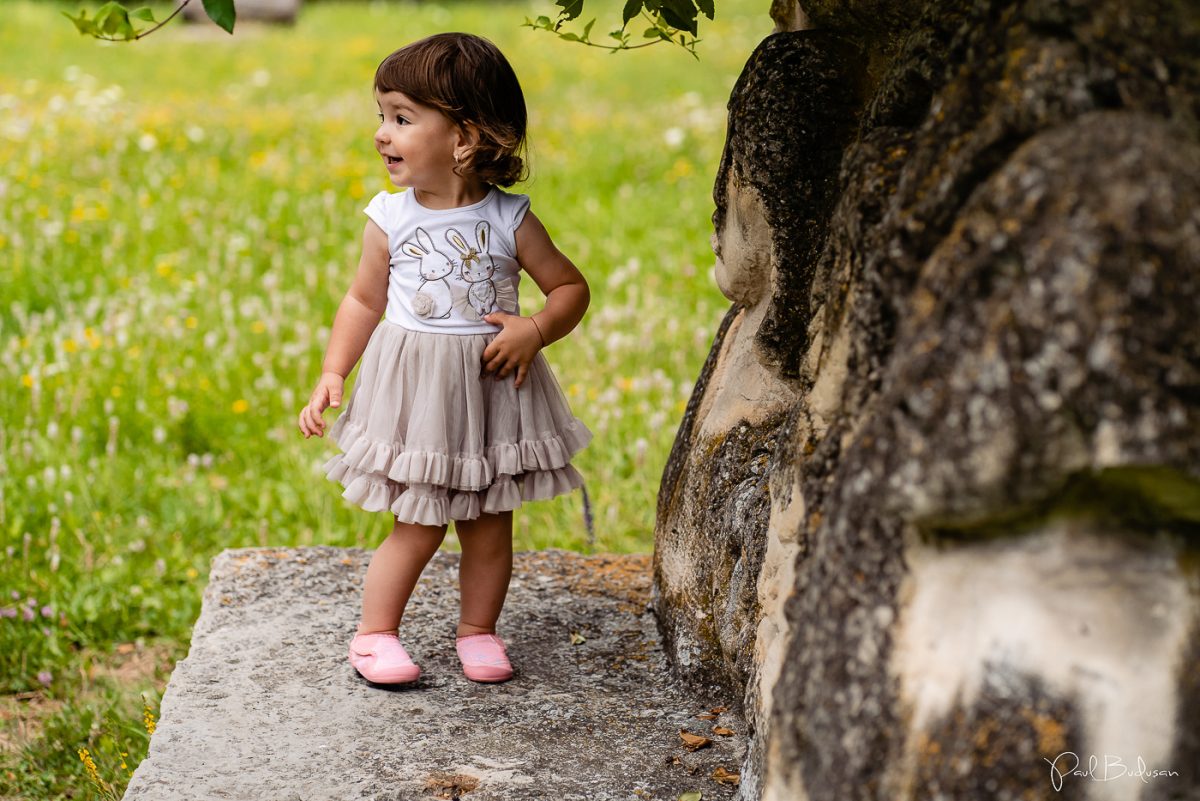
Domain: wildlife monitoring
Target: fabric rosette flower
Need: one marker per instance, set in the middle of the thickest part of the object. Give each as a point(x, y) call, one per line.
point(422, 304)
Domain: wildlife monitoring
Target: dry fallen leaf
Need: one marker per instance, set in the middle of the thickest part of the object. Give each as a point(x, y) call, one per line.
point(716, 710)
point(724, 732)
point(692, 796)
point(577, 638)
point(451, 785)
point(706, 717)
point(723, 776)
point(693, 742)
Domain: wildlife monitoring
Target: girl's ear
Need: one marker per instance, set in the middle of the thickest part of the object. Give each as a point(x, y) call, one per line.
point(468, 140)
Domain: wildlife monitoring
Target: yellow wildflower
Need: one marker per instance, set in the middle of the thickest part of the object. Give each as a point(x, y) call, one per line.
point(92, 770)
point(69, 346)
point(240, 406)
point(191, 322)
point(680, 169)
point(27, 381)
point(148, 719)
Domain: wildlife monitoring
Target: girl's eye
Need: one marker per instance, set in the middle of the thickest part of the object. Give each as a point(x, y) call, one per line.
point(401, 121)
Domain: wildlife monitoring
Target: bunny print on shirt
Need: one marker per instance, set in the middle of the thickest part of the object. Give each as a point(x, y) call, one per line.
point(434, 298)
point(470, 289)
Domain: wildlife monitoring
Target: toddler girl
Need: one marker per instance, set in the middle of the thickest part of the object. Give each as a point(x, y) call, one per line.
point(456, 415)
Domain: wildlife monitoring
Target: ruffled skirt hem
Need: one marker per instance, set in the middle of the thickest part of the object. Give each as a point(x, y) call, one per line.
point(425, 436)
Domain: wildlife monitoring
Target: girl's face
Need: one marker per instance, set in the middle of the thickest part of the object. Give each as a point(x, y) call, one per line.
point(417, 143)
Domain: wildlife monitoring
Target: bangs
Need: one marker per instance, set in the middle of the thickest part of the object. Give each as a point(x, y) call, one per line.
point(421, 75)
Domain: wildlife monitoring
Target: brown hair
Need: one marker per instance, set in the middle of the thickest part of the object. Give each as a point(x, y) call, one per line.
point(468, 79)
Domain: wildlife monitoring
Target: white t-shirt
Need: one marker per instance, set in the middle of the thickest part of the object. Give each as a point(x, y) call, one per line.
point(450, 267)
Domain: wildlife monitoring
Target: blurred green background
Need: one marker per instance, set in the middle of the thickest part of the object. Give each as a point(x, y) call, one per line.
point(182, 216)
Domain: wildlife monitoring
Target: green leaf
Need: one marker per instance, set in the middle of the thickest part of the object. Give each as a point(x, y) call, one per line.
point(113, 20)
point(651, 33)
point(587, 29)
point(680, 14)
point(707, 7)
point(631, 10)
point(544, 22)
point(570, 8)
point(143, 13)
point(221, 12)
point(82, 23)
point(570, 37)
point(103, 14)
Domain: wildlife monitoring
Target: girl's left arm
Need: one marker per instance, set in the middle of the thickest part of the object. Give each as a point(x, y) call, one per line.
point(567, 298)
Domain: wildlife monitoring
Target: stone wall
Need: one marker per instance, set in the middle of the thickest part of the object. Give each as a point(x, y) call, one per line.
point(934, 506)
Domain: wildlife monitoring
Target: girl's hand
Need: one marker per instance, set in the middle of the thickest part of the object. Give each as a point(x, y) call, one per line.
point(328, 393)
point(514, 347)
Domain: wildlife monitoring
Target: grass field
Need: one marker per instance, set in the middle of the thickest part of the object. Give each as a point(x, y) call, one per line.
point(181, 217)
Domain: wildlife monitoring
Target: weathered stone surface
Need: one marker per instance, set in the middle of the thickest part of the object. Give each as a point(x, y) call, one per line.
point(791, 113)
point(266, 706)
point(977, 538)
point(714, 503)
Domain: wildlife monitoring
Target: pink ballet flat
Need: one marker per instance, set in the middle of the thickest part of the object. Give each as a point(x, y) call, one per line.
point(381, 659)
point(483, 658)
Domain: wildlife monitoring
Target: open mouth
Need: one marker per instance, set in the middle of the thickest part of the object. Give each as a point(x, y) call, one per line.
point(392, 159)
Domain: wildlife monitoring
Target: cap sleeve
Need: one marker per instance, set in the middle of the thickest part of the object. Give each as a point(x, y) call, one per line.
point(377, 210)
point(517, 206)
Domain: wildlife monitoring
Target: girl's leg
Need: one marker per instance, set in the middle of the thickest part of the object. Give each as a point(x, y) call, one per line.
point(393, 572)
point(484, 571)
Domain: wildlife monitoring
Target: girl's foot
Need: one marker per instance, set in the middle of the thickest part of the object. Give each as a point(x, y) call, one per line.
point(381, 659)
point(484, 658)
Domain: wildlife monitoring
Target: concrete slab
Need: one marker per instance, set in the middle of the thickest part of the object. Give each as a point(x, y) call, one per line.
point(266, 707)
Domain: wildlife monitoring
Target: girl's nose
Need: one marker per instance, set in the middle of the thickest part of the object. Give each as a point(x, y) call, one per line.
point(381, 134)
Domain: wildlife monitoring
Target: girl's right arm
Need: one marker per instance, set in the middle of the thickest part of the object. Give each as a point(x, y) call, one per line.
point(353, 324)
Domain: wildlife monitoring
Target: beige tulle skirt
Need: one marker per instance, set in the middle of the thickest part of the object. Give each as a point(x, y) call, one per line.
point(429, 437)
